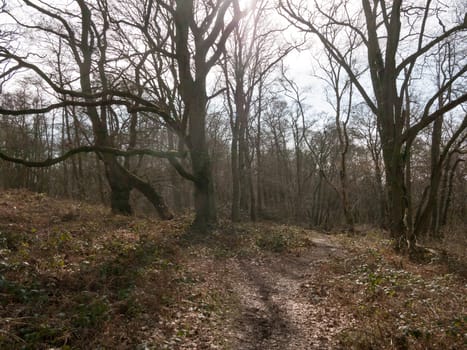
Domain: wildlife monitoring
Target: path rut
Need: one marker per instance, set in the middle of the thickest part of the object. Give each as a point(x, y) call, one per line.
point(283, 304)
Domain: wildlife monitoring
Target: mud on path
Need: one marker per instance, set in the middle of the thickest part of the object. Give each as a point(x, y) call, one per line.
point(283, 302)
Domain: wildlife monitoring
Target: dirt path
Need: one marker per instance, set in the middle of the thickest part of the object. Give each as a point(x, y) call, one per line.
point(283, 305)
point(301, 290)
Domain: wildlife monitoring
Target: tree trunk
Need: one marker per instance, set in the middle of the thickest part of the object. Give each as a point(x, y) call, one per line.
point(119, 186)
point(381, 196)
point(205, 207)
point(152, 195)
point(428, 218)
point(235, 213)
point(436, 174)
point(404, 239)
point(174, 176)
point(408, 169)
point(259, 163)
point(299, 192)
point(120, 180)
point(253, 214)
point(344, 145)
point(450, 172)
point(242, 159)
point(100, 183)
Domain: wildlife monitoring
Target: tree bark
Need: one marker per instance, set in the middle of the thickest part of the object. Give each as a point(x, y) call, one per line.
point(174, 177)
point(205, 206)
point(235, 210)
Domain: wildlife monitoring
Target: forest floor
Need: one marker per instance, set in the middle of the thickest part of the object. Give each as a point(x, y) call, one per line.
point(72, 276)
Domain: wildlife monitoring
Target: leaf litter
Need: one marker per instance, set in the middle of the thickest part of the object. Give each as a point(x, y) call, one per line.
point(72, 276)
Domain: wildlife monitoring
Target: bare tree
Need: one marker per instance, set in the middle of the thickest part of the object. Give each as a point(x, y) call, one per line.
point(252, 52)
point(341, 101)
point(184, 41)
point(427, 218)
point(384, 28)
point(85, 37)
point(365, 129)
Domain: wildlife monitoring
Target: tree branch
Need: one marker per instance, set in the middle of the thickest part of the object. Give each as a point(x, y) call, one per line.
point(96, 149)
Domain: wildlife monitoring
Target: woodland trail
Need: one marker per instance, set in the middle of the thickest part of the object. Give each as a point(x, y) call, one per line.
point(85, 279)
point(283, 303)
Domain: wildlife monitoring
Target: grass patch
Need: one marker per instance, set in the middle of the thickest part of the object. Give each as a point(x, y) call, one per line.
point(275, 242)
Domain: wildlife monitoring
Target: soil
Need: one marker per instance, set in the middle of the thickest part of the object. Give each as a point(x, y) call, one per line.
point(282, 306)
point(277, 299)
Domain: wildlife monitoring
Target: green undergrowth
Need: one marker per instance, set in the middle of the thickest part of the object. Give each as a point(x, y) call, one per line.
point(395, 303)
point(250, 239)
point(74, 277)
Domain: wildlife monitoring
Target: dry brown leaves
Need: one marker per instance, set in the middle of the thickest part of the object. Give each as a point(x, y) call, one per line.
point(74, 276)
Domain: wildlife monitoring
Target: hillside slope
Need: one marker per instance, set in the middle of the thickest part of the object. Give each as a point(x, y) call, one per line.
point(72, 276)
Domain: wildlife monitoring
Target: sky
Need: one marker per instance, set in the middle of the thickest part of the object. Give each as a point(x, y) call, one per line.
point(300, 69)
